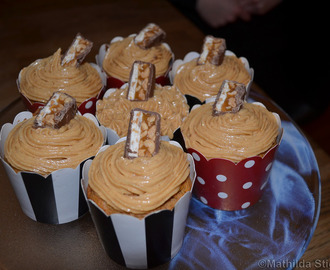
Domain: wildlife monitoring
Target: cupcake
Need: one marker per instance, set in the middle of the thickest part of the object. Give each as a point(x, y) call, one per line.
point(117, 57)
point(233, 143)
point(113, 111)
point(140, 196)
point(43, 156)
point(201, 75)
point(58, 72)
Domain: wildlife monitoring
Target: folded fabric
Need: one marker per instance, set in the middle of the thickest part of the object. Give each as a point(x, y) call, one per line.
point(274, 232)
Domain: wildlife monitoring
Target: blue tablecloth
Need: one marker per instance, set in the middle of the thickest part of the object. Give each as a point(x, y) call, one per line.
point(271, 234)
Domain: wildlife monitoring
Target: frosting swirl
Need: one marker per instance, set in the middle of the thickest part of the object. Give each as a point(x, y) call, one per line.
point(138, 185)
point(234, 136)
point(114, 111)
point(44, 150)
point(121, 55)
point(43, 77)
point(204, 81)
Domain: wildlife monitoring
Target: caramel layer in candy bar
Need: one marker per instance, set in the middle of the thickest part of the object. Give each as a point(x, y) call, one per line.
point(143, 137)
point(141, 82)
point(149, 36)
point(78, 50)
point(213, 51)
point(230, 98)
point(57, 112)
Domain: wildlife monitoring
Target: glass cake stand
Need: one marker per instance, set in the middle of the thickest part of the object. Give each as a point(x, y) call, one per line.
point(273, 233)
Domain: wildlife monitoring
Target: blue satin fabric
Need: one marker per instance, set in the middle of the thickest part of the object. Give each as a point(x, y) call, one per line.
point(271, 234)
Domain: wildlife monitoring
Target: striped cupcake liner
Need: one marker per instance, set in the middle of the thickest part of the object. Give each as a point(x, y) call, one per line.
point(54, 199)
point(141, 243)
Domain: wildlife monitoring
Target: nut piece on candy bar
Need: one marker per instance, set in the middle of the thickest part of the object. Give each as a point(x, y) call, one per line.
point(141, 81)
point(57, 112)
point(230, 98)
point(78, 50)
point(213, 51)
point(143, 137)
point(149, 36)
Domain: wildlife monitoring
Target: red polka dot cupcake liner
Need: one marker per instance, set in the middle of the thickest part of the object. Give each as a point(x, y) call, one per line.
point(225, 185)
point(113, 82)
point(87, 106)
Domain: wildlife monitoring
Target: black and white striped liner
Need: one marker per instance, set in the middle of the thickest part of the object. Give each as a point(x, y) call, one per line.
point(55, 199)
point(141, 243)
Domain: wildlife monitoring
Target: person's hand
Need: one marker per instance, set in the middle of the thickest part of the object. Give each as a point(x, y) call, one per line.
point(217, 13)
point(258, 7)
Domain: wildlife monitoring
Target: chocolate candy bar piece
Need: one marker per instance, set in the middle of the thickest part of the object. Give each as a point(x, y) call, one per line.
point(213, 51)
point(230, 98)
point(141, 81)
point(78, 50)
point(143, 137)
point(149, 36)
point(57, 112)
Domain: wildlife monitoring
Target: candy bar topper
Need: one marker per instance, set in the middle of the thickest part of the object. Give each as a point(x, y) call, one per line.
point(230, 98)
point(57, 112)
point(213, 51)
point(149, 36)
point(78, 50)
point(141, 83)
point(143, 138)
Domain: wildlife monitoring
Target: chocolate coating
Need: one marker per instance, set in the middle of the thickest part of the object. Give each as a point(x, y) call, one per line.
point(57, 112)
point(230, 98)
point(143, 137)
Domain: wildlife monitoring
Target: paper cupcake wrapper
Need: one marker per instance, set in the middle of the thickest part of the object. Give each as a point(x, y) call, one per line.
point(87, 106)
point(226, 185)
point(141, 243)
point(113, 82)
point(53, 199)
point(193, 55)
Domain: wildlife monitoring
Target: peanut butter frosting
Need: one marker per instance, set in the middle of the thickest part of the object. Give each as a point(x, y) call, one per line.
point(204, 81)
point(39, 80)
point(44, 150)
point(114, 111)
point(121, 55)
point(139, 185)
point(234, 136)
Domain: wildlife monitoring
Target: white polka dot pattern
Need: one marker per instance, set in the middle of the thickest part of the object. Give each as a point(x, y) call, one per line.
point(221, 178)
point(225, 185)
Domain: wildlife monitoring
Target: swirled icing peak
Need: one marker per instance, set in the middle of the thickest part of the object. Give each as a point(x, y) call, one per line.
point(43, 77)
point(204, 81)
point(138, 185)
point(44, 150)
point(114, 110)
point(234, 136)
point(121, 55)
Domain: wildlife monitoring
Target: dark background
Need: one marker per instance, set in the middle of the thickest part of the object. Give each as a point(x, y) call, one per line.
point(288, 49)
